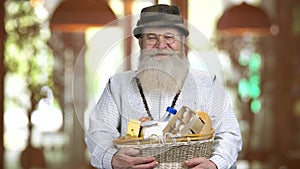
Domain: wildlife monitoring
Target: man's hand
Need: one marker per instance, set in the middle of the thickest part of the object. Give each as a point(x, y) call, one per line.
point(128, 158)
point(200, 163)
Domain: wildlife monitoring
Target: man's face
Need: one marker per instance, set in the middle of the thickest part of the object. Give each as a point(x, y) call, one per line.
point(161, 39)
point(163, 65)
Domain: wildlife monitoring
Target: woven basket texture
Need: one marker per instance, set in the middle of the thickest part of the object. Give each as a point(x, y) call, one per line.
point(172, 155)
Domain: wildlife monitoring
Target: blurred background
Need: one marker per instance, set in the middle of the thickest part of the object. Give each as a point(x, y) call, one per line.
point(50, 80)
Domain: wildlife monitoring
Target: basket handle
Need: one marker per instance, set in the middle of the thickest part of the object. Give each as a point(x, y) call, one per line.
point(169, 135)
point(154, 137)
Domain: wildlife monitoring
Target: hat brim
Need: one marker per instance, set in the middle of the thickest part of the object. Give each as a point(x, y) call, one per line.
point(138, 31)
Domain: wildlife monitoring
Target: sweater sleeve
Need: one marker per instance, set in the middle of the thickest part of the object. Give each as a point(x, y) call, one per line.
point(228, 141)
point(103, 129)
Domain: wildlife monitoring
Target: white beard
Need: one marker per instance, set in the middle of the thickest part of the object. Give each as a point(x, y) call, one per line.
point(166, 75)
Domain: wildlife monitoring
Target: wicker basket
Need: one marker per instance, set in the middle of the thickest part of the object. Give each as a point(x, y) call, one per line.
point(172, 151)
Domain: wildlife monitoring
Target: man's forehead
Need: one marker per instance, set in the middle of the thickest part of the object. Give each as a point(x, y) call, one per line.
point(160, 30)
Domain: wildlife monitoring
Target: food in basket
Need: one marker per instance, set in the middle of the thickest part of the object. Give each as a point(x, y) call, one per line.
point(133, 129)
point(150, 128)
point(195, 140)
point(207, 121)
point(186, 121)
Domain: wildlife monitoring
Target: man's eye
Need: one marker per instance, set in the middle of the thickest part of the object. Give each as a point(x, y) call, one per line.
point(169, 37)
point(151, 37)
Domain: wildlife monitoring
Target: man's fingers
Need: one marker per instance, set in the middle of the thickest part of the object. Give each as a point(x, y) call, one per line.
point(146, 165)
point(129, 158)
point(144, 160)
point(141, 162)
point(195, 161)
point(133, 153)
point(200, 162)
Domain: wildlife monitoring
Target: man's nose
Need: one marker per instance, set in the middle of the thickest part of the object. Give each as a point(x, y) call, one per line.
point(161, 44)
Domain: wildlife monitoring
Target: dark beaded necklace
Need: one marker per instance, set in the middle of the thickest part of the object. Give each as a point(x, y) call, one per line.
point(145, 101)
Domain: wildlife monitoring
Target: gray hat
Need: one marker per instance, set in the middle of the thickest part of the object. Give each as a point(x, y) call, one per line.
point(160, 16)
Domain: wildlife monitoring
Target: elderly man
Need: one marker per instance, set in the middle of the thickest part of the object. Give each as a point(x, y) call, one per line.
point(163, 79)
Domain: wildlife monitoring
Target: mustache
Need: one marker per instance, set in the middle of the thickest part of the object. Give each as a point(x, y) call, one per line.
point(154, 52)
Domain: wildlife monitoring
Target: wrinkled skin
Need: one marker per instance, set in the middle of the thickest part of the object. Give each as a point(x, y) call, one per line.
point(128, 158)
point(200, 163)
